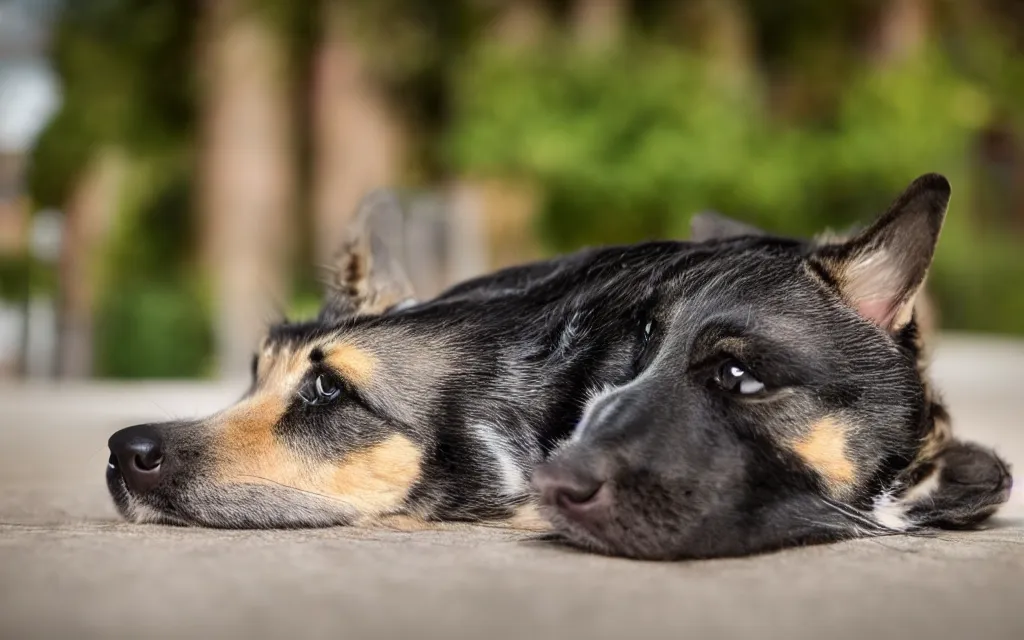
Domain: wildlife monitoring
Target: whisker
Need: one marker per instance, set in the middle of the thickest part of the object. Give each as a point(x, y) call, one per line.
point(162, 410)
point(852, 514)
point(876, 529)
point(305, 491)
point(100, 453)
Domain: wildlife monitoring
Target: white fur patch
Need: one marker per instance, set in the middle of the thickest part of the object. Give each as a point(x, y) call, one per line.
point(141, 514)
point(509, 468)
point(593, 408)
point(570, 333)
point(891, 512)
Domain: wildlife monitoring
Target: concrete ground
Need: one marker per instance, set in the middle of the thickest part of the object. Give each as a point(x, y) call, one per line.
point(68, 568)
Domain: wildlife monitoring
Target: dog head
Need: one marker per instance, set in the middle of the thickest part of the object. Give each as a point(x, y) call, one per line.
point(780, 400)
point(326, 433)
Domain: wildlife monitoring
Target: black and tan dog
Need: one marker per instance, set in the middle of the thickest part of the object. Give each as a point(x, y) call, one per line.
point(731, 396)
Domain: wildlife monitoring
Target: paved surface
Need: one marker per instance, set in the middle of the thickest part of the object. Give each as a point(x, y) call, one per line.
point(68, 568)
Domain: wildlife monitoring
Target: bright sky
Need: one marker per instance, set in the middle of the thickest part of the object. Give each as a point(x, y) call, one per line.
point(29, 89)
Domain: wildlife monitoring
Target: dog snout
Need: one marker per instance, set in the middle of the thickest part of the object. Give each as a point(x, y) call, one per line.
point(137, 453)
point(575, 493)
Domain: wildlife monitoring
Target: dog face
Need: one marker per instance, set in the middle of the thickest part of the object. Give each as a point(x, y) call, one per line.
point(779, 400)
point(326, 434)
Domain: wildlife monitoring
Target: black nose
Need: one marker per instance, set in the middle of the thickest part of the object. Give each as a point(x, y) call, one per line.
point(137, 453)
point(572, 492)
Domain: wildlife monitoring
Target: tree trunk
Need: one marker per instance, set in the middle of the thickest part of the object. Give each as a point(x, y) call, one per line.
point(598, 23)
point(902, 29)
point(492, 222)
point(724, 37)
point(246, 175)
point(519, 24)
point(89, 214)
point(358, 142)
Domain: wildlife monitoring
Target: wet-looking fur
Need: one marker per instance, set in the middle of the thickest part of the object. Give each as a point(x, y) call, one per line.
point(607, 365)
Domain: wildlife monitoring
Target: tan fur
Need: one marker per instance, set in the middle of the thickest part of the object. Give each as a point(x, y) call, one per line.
point(404, 522)
point(354, 363)
point(525, 518)
point(377, 479)
point(823, 448)
point(245, 443)
point(528, 517)
point(279, 369)
point(371, 481)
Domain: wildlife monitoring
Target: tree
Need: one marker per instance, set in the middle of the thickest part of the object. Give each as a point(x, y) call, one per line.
point(246, 173)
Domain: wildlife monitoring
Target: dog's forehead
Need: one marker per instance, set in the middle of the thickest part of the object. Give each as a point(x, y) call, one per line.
point(289, 350)
point(769, 286)
point(295, 335)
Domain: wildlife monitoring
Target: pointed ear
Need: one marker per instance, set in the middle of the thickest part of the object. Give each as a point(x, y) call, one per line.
point(967, 485)
point(365, 277)
point(880, 271)
point(709, 225)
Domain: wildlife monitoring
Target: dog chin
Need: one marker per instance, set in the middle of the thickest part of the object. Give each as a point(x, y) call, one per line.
point(574, 534)
point(131, 508)
point(119, 493)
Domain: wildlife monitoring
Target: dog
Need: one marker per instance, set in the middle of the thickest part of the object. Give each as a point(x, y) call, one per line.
point(385, 410)
point(782, 399)
point(669, 399)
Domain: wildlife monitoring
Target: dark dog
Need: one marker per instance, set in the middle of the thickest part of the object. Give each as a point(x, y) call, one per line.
point(736, 395)
point(781, 399)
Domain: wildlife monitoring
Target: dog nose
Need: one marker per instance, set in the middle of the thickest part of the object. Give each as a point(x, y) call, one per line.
point(577, 494)
point(138, 454)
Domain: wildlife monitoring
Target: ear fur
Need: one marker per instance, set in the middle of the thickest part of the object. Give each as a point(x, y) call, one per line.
point(709, 225)
point(880, 271)
point(968, 483)
point(365, 277)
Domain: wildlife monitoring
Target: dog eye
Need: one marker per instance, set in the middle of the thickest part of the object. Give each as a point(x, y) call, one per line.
point(324, 390)
point(646, 331)
point(733, 377)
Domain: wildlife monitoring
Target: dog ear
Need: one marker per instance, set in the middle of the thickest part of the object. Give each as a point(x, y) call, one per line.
point(968, 483)
point(709, 225)
point(365, 277)
point(880, 270)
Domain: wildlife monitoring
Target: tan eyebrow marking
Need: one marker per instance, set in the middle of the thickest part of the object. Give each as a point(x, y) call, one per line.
point(354, 363)
point(823, 448)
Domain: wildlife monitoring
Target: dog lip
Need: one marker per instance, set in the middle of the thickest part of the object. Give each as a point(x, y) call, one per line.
point(118, 489)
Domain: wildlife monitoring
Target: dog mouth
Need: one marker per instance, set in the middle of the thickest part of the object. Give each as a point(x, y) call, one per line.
point(132, 507)
point(579, 534)
point(588, 530)
point(118, 489)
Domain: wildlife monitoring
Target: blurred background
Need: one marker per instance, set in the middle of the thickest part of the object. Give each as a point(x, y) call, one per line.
point(174, 173)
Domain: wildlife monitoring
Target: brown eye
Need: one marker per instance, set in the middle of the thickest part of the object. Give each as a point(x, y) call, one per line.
point(733, 377)
point(324, 391)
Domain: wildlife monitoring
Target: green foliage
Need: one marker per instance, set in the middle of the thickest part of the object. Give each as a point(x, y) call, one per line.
point(128, 83)
point(154, 317)
point(629, 143)
point(618, 141)
point(153, 330)
point(126, 71)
